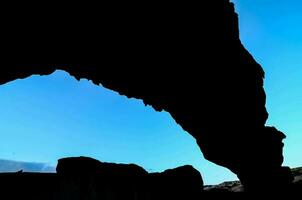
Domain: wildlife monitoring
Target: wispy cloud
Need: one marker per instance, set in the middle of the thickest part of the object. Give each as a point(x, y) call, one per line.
point(14, 166)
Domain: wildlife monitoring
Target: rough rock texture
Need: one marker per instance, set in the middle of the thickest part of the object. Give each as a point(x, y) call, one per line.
point(298, 180)
point(183, 58)
point(297, 172)
point(229, 186)
point(236, 186)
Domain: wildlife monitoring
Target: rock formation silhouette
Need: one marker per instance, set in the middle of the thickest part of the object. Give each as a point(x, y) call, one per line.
point(236, 186)
point(186, 59)
point(96, 180)
point(83, 178)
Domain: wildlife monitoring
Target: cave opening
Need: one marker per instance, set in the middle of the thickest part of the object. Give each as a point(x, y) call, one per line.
point(45, 118)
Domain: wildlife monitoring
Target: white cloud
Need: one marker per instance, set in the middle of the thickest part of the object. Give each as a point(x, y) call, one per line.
point(14, 166)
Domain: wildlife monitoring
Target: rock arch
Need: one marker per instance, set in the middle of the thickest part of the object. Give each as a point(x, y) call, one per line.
point(185, 59)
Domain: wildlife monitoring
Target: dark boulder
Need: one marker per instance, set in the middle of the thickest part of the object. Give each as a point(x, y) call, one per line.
point(183, 182)
point(86, 178)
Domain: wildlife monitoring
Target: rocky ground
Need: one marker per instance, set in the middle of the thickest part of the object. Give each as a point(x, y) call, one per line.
point(83, 178)
point(235, 186)
point(297, 172)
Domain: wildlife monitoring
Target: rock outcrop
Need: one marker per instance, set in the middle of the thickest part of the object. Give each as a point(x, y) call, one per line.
point(297, 172)
point(229, 186)
point(183, 58)
point(84, 178)
point(236, 186)
point(90, 178)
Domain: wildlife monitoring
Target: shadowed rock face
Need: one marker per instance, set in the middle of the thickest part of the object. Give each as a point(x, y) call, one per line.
point(236, 186)
point(86, 178)
point(185, 59)
point(82, 178)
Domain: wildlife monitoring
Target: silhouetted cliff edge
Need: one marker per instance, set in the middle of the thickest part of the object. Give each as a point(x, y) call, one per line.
point(83, 178)
point(184, 58)
point(236, 186)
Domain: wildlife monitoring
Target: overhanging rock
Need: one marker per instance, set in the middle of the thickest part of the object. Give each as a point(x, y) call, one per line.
point(182, 58)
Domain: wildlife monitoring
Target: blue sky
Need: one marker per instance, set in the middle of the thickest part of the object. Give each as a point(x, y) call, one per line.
point(50, 117)
point(272, 31)
point(47, 118)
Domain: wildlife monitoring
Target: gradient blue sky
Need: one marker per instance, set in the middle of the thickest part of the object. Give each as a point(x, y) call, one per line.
point(46, 118)
point(272, 31)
